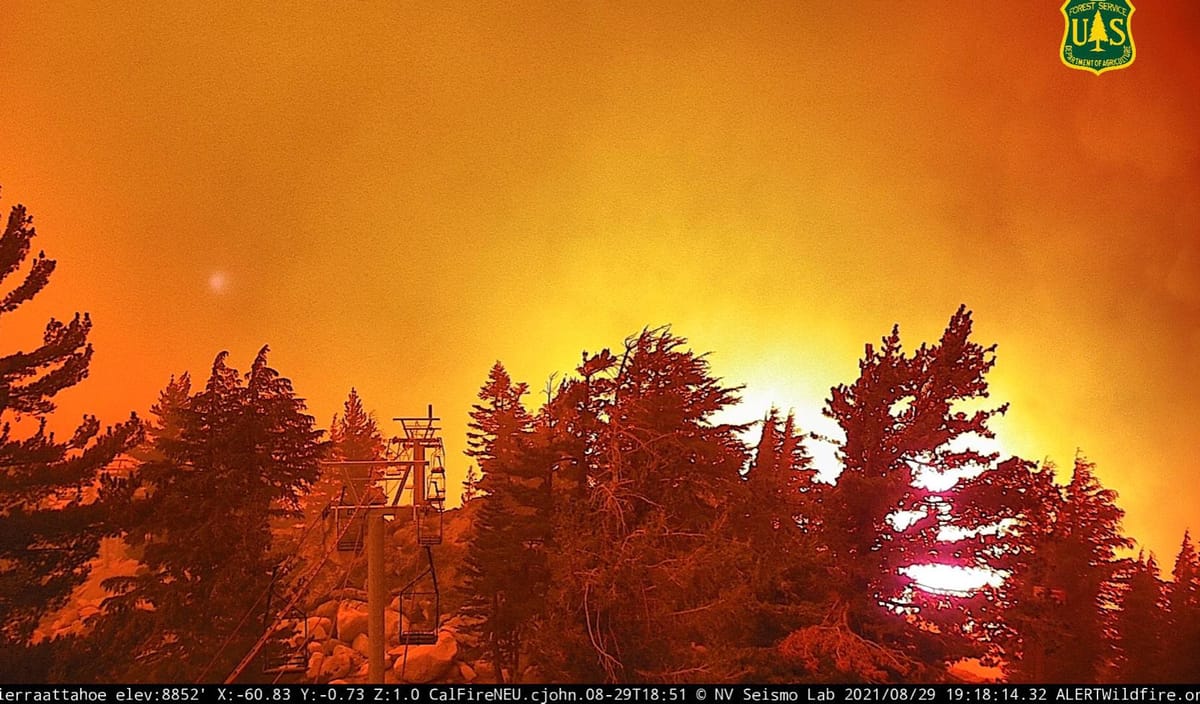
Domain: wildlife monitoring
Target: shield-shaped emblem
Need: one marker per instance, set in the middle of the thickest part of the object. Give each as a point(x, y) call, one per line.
point(1098, 36)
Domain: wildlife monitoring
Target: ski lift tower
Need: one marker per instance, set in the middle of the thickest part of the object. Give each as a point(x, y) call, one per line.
point(371, 494)
point(422, 445)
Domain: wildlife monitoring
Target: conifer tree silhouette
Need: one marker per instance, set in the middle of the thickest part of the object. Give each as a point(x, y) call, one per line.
point(505, 567)
point(1141, 624)
point(1183, 604)
point(245, 451)
point(55, 504)
point(645, 565)
point(355, 434)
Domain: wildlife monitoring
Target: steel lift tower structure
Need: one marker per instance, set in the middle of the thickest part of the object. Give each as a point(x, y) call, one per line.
point(372, 494)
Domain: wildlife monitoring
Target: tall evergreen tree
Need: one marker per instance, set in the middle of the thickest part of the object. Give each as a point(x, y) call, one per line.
point(168, 411)
point(166, 417)
point(573, 419)
point(244, 452)
point(355, 434)
point(647, 566)
point(1091, 528)
point(780, 476)
point(902, 417)
point(1071, 586)
point(505, 567)
point(51, 520)
point(1141, 625)
point(1183, 602)
point(778, 524)
point(1021, 503)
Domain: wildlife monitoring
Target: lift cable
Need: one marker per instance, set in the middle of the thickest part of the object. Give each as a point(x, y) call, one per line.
point(264, 595)
point(345, 581)
point(301, 588)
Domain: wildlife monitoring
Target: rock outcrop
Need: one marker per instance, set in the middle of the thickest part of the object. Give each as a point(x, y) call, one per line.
point(420, 664)
point(351, 620)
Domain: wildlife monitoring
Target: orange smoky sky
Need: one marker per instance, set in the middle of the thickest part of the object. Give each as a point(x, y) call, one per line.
point(395, 195)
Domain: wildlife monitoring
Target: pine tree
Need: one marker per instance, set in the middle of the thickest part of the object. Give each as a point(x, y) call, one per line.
point(355, 435)
point(1183, 604)
point(51, 519)
point(798, 471)
point(1072, 586)
point(573, 419)
point(770, 446)
point(780, 507)
point(244, 452)
point(167, 417)
point(780, 477)
point(288, 444)
point(1090, 530)
point(1013, 619)
point(505, 567)
point(1141, 625)
point(900, 417)
point(645, 563)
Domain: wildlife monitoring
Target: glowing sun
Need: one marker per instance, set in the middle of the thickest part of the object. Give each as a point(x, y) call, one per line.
point(218, 282)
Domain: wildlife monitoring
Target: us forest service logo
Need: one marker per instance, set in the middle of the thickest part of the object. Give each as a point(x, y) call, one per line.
point(1098, 36)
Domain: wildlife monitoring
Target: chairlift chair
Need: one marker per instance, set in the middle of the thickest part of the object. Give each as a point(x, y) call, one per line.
point(421, 607)
point(428, 514)
point(292, 657)
point(349, 525)
point(350, 517)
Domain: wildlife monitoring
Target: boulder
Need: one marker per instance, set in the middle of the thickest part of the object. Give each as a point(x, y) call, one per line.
point(425, 663)
point(392, 622)
point(461, 628)
point(336, 666)
point(315, 661)
point(466, 672)
point(343, 649)
point(327, 610)
point(315, 647)
point(454, 623)
point(312, 623)
point(319, 633)
point(351, 620)
point(362, 644)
